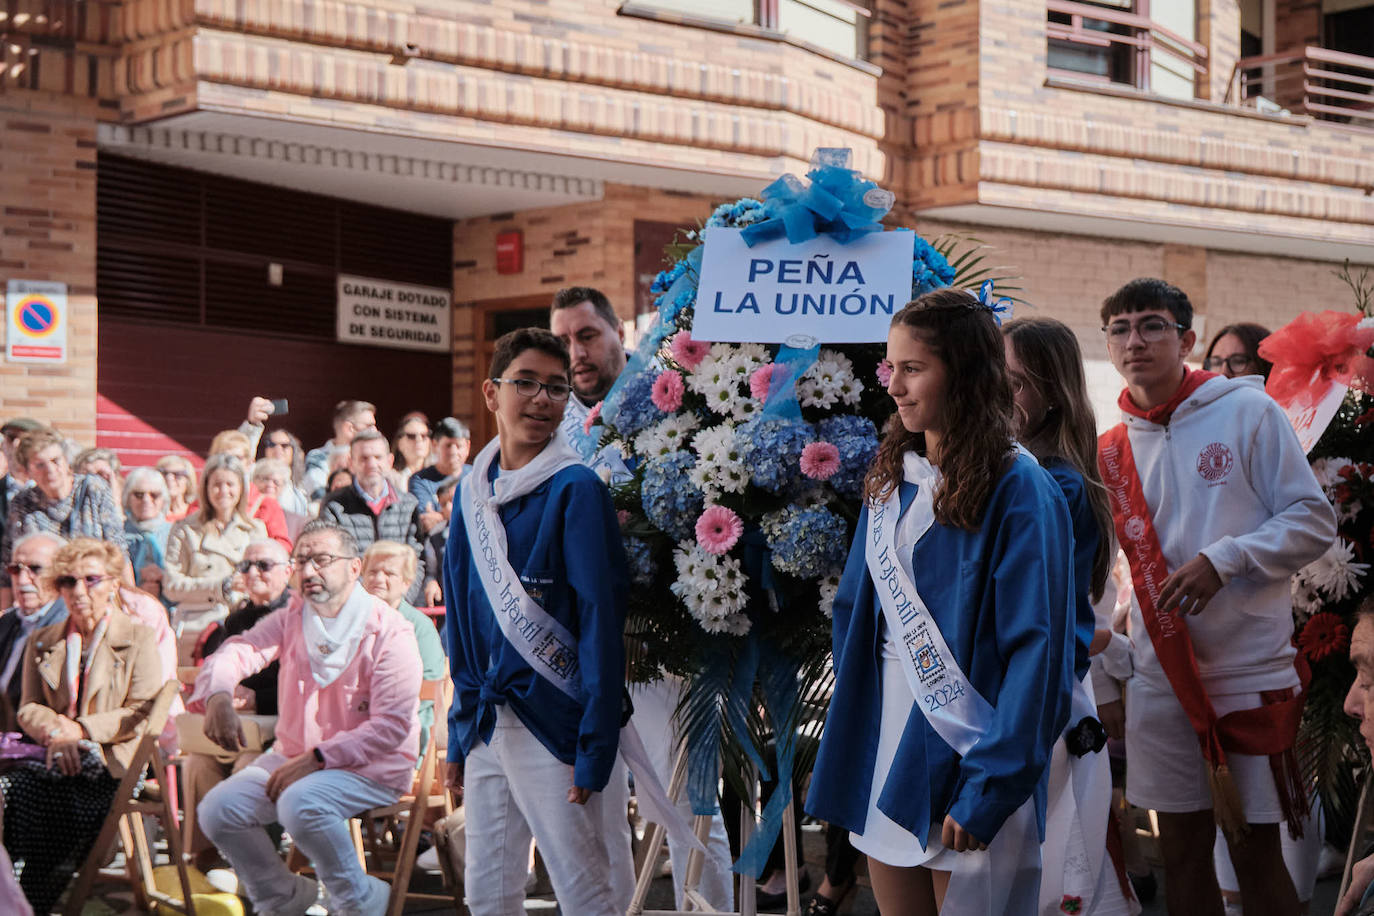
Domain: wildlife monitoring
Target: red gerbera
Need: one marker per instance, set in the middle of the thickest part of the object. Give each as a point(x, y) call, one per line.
point(1324, 634)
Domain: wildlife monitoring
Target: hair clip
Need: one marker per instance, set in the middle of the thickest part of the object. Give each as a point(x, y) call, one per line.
point(1000, 306)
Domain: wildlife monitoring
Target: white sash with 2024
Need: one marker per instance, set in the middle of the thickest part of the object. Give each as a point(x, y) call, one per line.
point(545, 644)
point(1004, 879)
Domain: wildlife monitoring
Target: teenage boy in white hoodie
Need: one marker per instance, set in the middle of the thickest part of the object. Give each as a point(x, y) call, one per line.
point(1215, 506)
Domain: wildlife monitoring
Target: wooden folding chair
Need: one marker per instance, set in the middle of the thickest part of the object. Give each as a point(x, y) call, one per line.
point(126, 817)
point(412, 809)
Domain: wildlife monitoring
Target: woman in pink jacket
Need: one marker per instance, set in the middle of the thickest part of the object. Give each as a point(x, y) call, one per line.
point(347, 735)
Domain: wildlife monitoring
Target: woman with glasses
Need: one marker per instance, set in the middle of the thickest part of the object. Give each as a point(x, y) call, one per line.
point(146, 525)
point(1235, 352)
point(204, 548)
point(61, 502)
point(180, 476)
point(89, 685)
point(412, 446)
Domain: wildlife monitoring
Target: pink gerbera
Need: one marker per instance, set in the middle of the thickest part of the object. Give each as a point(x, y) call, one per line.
point(688, 352)
point(820, 460)
point(718, 529)
point(884, 372)
point(622, 516)
point(592, 416)
point(667, 392)
point(761, 379)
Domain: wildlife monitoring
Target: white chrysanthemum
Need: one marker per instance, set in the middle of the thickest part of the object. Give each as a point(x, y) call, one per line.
point(829, 380)
point(1327, 471)
point(754, 354)
point(665, 436)
point(744, 408)
point(1335, 573)
point(711, 587)
point(1306, 601)
point(715, 478)
point(829, 587)
point(716, 444)
point(711, 372)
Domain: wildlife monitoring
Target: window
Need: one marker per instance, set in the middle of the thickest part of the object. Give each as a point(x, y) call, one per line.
point(1150, 45)
point(838, 27)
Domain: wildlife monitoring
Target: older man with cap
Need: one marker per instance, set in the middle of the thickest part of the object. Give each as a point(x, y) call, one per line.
point(36, 606)
point(347, 735)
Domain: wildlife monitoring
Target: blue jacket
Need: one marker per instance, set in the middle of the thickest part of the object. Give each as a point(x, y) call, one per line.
point(564, 543)
point(1002, 597)
point(1085, 539)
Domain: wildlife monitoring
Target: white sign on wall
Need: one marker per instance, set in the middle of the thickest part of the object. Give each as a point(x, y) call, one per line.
point(381, 313)
point(37, 322)
point(775, 290)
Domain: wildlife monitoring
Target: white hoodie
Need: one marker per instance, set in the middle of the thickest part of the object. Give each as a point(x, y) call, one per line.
point(1226, 477)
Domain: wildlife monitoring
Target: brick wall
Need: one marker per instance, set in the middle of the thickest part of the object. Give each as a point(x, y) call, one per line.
point(47, 232)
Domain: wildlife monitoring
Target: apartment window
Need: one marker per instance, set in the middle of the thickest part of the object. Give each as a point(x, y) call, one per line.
point(1146, 44)
point(836, 27)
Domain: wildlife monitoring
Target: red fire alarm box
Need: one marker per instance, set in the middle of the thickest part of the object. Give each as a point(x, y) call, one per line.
point(510, 252)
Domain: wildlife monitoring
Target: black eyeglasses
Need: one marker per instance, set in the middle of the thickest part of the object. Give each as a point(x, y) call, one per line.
point(320, 560)
point(91, 582)
point(272, 444)
point(262, 566)
point(1151, 330)
point(529, 388)
point(1237, 362)
point(420, 437)
point(33, 569)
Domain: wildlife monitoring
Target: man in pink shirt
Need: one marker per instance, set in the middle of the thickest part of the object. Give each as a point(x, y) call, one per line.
point(347, 734)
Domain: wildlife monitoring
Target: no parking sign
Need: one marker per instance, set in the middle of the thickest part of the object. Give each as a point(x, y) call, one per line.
point(37, 322)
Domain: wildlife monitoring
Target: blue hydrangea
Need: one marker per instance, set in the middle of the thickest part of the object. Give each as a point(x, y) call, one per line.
point(671, 501)
point(640, 554)
point(807, 543)
point(635, 409)
point(929, 269)
point(857, 440)
point(667, 277)
point(771, 448)
point(742, 212)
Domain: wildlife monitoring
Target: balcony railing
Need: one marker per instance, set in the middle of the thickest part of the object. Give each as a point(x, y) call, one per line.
point(1115, 46)
point(1329, 85)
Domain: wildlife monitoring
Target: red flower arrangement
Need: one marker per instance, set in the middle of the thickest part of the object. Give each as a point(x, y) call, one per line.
point(1324, 634)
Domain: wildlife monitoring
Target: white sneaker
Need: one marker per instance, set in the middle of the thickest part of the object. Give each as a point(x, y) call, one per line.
point(306, 893)
point(225, 881)
point(428, 860)
point(378, 896)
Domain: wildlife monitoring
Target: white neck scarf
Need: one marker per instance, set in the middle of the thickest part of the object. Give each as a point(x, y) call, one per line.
point(512, 485)
point(331, 642)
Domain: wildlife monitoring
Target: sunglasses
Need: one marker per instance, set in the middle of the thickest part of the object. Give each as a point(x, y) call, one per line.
point(91, 582)
point(33, 569)
point(271, 444)
point(144, 494)
point(181, 474)
point(262, 566)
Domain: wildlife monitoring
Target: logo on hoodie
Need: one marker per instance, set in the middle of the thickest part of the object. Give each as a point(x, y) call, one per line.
point(1214, 462)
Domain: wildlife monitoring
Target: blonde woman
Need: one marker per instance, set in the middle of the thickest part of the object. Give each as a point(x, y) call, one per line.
point(204, 548)
point(180, 477)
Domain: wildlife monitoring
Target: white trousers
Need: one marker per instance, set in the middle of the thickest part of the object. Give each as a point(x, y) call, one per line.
point(514, 790)
point(617, 836)
point(654, 707)
point(314, 809)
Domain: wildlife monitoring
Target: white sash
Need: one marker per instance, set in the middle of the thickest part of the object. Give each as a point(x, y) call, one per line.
point(608, 463)
point(544, 643)
point(1004, 879)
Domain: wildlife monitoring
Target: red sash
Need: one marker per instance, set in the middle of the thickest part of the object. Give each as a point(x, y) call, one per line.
point(1268, 730)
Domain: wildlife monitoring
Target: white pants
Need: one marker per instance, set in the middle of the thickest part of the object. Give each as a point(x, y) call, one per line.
point(654, 707)
point(616, 834)
point(315, 810)
point(1300, 855)
point(514, 790)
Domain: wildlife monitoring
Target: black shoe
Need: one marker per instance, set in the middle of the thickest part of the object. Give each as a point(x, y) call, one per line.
point(767, 901)
point(1145, 886)
point(824, 906)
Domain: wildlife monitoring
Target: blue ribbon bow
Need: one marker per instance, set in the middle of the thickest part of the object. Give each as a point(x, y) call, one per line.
point(1000, 307)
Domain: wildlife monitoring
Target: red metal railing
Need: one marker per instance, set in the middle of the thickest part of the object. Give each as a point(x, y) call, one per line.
point(1330, 85)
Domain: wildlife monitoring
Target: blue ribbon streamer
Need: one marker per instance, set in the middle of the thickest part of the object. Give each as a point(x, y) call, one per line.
point(778, 684)
point(1000, 307)
point(791, 364)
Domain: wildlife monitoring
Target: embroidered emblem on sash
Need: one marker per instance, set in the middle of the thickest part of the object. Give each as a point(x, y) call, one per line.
point(558, 656)
point(1135, 528)
point(929, 666)
point(1214, 462)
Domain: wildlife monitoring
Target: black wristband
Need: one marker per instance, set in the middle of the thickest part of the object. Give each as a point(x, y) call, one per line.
point(319, 755)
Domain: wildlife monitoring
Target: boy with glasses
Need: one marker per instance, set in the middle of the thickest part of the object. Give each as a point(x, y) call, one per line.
point(535, 585)
point(1215, 506)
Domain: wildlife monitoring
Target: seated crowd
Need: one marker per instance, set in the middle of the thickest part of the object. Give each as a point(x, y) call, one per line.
point(112, 579)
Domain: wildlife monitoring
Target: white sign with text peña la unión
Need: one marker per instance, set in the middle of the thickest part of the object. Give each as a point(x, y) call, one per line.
point(819, 288)
point(381, 313)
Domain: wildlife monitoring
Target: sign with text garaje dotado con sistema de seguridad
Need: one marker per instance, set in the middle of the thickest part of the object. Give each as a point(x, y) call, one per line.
point(818, 288)
point(36, 326)
point(381, 313)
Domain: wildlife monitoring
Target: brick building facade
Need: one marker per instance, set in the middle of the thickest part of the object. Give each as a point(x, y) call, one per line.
point(1060, 133)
